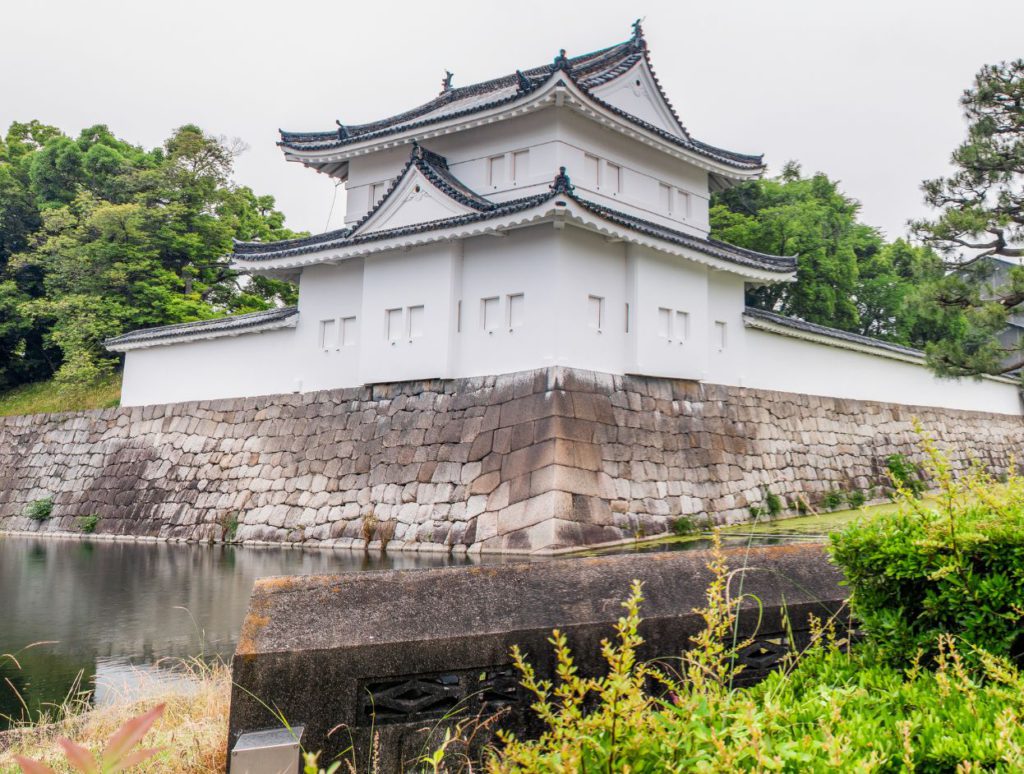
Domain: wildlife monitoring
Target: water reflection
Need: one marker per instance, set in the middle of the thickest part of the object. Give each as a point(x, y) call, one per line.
point(104, 608)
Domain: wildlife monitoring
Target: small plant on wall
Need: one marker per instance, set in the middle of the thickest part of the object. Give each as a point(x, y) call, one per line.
point(41, 509)
point(87, 524)
point(903, 474)
point(833, 499)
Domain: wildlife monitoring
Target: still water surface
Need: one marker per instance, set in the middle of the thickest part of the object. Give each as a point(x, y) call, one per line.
point(108, 612)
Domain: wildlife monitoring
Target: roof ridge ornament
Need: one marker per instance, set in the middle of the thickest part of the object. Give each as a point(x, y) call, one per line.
point(561, 62)
point(342, 131)
point(638, 40)
point(446, 82)
point(562, 183)
point(525, 84)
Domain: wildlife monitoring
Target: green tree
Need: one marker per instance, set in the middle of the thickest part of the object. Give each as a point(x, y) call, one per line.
point(847, 277)
point(101, 236)
point(980, 230)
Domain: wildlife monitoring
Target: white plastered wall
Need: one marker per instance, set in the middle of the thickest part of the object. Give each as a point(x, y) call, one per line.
point(777, 362)
point(329, 294)
point(229, 367)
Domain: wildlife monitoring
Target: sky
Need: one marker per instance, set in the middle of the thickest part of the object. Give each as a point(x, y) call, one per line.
point(866, 92)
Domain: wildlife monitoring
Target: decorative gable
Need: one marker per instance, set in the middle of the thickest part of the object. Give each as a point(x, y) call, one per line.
point(637, 92)
point(413, 200)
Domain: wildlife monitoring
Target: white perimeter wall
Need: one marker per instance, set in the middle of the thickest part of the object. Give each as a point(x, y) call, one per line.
point(776, 362)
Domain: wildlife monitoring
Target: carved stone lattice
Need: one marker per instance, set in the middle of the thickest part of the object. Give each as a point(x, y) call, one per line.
point(412, 698)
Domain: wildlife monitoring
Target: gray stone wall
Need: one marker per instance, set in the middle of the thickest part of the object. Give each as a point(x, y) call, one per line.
point(535, 461)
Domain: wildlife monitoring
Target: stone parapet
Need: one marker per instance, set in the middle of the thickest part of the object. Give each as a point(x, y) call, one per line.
point(541, 460)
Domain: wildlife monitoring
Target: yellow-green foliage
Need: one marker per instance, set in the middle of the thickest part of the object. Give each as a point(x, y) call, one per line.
point(827, 710)
point(49, 397)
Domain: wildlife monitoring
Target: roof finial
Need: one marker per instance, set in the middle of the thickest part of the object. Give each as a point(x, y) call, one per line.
point(525, 84)
point(638, 34)
point(561, 62)
point(446, 83)
point(562, 183)
point(342, 131)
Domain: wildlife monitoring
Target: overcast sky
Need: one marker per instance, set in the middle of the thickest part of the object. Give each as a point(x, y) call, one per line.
point(866, 92)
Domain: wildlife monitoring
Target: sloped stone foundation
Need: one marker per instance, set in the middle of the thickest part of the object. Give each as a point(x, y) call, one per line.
point(536, 461)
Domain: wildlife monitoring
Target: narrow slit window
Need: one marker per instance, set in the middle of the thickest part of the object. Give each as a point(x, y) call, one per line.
point(377, 191)
point(613, 177)
point(665, 323)
point(627, 317)
point(516, 301)
point(490, 313)
point(682, 204)
point(720, 335)
point(328, 334)
point(595, 312)
point(415, 322)
point(665, 198)
point(496, 170)
point(393, 325)
point(458, 316)
point(520, 166)
point(349, 333)
point(591, 169)
point(682, 329)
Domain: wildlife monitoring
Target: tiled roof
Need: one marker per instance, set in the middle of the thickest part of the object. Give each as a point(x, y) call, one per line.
point(587, 71)
point(833, 333)
point(243, 323)
point(263, 251)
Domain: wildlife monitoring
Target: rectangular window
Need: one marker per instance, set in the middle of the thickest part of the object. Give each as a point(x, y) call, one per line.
point(393, 325)
point(627, 317)
point(665, 198)
point(490, 313)
point(591, 169)
point(415, 322)
point(496, 170)
point(349, 334)
point(595, 312)
point(328, 334)
point(665, 323)
point(720, 337)
point(682, 329)
point(458, 316)
point(377, 191)
point(682, 204)
point(612, 178)
point(516, 301)
point(520, 166)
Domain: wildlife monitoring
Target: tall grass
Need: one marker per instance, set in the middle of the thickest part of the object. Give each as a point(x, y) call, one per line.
point(191, 736)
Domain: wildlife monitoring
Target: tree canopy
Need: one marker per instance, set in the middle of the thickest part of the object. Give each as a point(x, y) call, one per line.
point(979, 230)
point(848, 276)
point(99, 236)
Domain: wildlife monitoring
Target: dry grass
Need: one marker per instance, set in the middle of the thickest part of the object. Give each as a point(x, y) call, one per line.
point(191, 735)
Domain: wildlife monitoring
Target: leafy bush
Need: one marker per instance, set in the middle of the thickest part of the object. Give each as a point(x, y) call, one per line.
point(904, 475)
point(955, 568)
point(828, 711)
point(683, 526)
point(230, 527)
point(88, 524)
point(856, 498)
point(773, 503)
point(833, 499)
point(40, 510)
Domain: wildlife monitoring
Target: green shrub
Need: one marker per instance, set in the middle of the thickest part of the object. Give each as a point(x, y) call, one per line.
point(772, 503)
point(903, 474)
point(833, 499)
point(683, 526)
point(830, 711)
point(230, 527)
point(954, 568)
point(88, 524)
point(856, 498)
point(40, 510)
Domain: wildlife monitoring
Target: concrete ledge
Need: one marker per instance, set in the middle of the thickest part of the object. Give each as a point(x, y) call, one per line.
point(397, 652)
